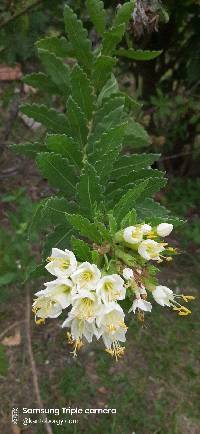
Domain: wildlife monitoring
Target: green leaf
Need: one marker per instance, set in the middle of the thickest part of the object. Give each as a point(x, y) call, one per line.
point(42, 82)
point(84, 227)
point(112, 38)
point(78, 37)
point(4, 365)
point(130, 219)
point(77, 122)
point(110, 88)
point(153, 212)
point(58, 46)
point(138, 54)
point(82, 91)
point(97, 14)
point(81, 250)
point(106, 151)
point(28, 149)
point(7, 278)
point(127, 163)
point(59, 238)
point(89, 190)
point(108, 116)
point(50, 118)
point(106, 236)
point(57, 70)
point(66, 146)
point(131, 177)
point(135, 135)
point(102, 69)
point(112, 223)
point(54, 211)
point(124, 12)
point(58, 172)
point(128, 200)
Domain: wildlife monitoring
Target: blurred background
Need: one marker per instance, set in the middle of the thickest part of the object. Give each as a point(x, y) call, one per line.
point(155, 387)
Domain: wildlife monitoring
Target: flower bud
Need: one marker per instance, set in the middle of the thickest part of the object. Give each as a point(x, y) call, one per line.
point(164, 229)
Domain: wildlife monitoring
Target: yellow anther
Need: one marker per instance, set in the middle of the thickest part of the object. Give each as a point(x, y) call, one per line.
point(187, 298)
point(169, 258)
point(40, 321)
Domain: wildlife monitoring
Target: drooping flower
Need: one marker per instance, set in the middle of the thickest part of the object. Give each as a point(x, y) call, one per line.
point(127, 273)
point(111, 288)
point(111, 328)
point(164, 229)
point(163, 295)
point(45, 307)
point(86, 305)
point(150, 249)
point(60, 290)
point(61, 263)
point(141, 304)
point(86, 276)
point(133, 234)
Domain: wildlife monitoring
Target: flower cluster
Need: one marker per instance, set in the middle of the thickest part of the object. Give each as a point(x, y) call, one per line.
point(94, 297)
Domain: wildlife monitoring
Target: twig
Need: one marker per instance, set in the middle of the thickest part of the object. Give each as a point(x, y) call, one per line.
point(10, 328)
point(32, 360)
point(20, 13)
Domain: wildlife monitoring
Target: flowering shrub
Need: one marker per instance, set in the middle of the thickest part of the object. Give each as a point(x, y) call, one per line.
point(105, 228)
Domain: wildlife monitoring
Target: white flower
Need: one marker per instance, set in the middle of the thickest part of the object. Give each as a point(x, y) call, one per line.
point(111, 288)
point(150, 249)
point(86, 276)
point(80, 328)
point(111, 326)
point(133, 234)
point(164, 229)
point(60, 290)
point(61, 263)
point(86, 305)
point(146, 229)
point(127, 273)
point(139, 303)
point(45, 307)
point(163, 295)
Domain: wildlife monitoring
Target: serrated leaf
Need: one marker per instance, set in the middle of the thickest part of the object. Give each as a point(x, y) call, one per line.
point(34, 272)
point(101, 70)
point(50, 118)
point(42, 82)
point(106, 117)
point(28, 149)
point(112, 223)
point(126, 163)
point(135, 135)
point(60, 238)
point(152, 187)
point(130, 219)
point(66, 146)
point(78, 37)
point(81, 250)
point(112, 38)
point(57, 70)
point(106, 236)
point(36, 221)
point(106, 151)
point(54, 211)
point(77, 122)
point(97, 14)
point(128, 200)
point(84, 227)
point(82, 91)
point(138, 54)
point(58, 172)
point(89, 190)
point(124, 12)
point(110, 88)
point(59, 46)
point(155, 213)
point(131, 177)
